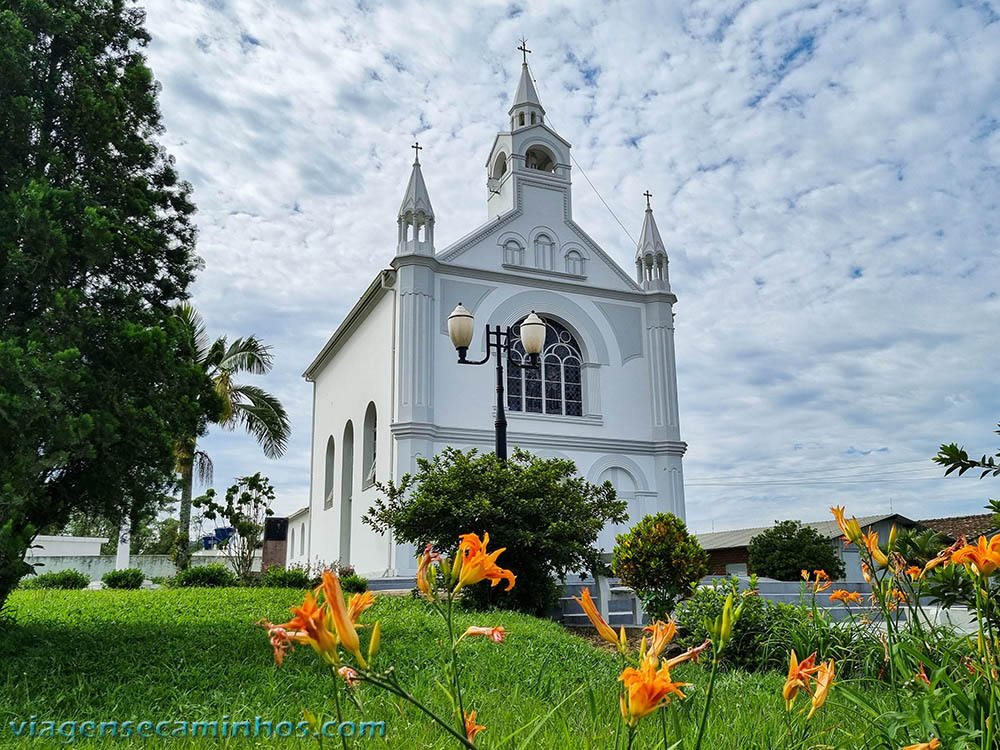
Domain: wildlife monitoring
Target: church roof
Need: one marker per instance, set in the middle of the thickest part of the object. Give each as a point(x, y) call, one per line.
point(416, 199)
point(526, 94)
point(649, 237)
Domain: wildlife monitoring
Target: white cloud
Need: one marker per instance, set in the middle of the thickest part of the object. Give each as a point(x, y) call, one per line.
point(825, 177)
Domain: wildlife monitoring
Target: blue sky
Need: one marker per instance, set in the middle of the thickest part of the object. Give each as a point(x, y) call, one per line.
point(826, 177)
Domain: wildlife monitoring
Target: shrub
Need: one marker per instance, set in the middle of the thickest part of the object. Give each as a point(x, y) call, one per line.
point(129, 578)
point(285, 578)
point(660, 561)
point(354, 584)
point(63, 579)
point(214, 575)
point(540, 510)
point(788, 548)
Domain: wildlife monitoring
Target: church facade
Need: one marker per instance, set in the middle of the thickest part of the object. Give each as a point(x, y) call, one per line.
point(387, 388)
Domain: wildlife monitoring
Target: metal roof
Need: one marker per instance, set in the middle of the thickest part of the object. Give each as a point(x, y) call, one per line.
point(829, 529)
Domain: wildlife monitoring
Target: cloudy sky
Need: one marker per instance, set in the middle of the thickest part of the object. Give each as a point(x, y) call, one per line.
point(826, 177)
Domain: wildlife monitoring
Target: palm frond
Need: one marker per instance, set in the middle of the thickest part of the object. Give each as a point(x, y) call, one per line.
point(195, 325)
point(247, 355)
point(263, 416)
point(203, 467)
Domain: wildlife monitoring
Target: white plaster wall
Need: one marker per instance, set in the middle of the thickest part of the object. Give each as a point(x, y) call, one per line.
point(297, 540)
point(59, 546)
point(359, 372)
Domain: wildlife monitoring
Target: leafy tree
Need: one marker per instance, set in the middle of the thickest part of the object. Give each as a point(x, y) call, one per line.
point(96, 247)
point(545, 515)
point(246, 406)
point(661, 561)
point(247, 506)
point(956, 459)
point(785, 550)
point(145, 530)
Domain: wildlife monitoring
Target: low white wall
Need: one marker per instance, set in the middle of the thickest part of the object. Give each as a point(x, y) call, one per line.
point(57, 546)
point(96, 566)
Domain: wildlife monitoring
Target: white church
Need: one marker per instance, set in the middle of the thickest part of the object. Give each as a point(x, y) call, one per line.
point(388, 389)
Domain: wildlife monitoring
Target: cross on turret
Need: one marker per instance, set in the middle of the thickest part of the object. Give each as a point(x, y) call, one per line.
point(417, 148)
point(523, 49)
point(648, 196)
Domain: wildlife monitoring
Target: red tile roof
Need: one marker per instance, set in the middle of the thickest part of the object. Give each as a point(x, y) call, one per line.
point(955, 526)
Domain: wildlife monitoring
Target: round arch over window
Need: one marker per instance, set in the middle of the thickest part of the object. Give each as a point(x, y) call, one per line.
point(499, 166)
point(328, 481)
point(368, 455)
point(554, 389)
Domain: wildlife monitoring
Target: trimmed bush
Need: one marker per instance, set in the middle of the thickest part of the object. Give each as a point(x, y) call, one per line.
point(285, 578)
point(354, 584)
point(209, 576)
point(661, 561)
point(63, 579)
point(129, 578)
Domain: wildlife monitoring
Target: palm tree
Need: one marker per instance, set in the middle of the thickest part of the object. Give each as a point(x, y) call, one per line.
point(246, 406)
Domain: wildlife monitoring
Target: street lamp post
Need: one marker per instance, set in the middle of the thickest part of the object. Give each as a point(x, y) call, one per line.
point(461, 327)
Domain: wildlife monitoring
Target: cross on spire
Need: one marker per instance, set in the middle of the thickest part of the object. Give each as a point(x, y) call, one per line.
point(417, 148)
point(524, 50)
point(648, 196)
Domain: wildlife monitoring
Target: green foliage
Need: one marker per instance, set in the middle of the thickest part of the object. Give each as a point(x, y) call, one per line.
point(354, 584)
point(208, 576)
point(62, 579)
point(540, 510)
point(96, 245)
point(956, 459)
point(285, 578)
point(748, 647)
point(661, 561)
point(129, 578)
point(786, 549)
point(247, 506)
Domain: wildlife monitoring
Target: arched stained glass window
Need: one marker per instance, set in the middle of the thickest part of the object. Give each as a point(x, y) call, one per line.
point(555, 388)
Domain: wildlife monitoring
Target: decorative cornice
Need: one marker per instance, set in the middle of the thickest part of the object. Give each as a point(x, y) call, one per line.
point(427, 431)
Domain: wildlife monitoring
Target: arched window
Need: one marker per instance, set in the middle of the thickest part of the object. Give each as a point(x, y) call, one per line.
point(328, 483)
point(346, 492)
point(574, 262)
point(544, 250)
point(532, 118)
point(368, 456)
point(520, 119)
point(302, 538)
point(556, 387)
point(291, 547)
point(539, 158)
point(513, 253)
point(500, 166)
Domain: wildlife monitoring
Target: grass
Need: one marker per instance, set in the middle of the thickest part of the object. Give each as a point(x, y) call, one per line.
point(196, 655)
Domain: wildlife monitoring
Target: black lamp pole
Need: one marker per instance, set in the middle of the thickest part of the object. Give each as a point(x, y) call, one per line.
point(499, 339)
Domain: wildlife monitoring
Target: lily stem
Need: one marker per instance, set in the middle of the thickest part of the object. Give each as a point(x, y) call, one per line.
point(336, 702)
point(708, 702)
point(394, 688)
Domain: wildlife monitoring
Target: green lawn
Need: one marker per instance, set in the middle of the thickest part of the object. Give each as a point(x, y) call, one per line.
point(196, 655)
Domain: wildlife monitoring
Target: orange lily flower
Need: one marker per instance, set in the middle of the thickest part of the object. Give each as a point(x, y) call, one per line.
point(358, 603)
point(822, 582)
point(341, 618)
point(471, 727)
point(799, 674)
point(824, 679)
point(604, 630)
point(662, 633)
point(692, 653)
point(983, 558)
point(496, 633)
point(851, 529)
point(423, 568)
point(866, 572)
point(914, 572)
point(871, 542)
point(313, 619)
point(944, 556)
point(648, 689)
point(479, 565)
point(934, 744)
point(845, 596)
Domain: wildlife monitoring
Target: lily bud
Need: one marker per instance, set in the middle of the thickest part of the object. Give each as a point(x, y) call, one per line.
point(375, 641)
point(892, 537)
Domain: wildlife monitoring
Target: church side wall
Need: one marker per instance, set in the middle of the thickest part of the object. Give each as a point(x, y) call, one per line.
point(359, 373)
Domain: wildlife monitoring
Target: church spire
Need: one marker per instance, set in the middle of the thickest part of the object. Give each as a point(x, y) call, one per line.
point(526, 109)
point(651, 255)
point(416, 217)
